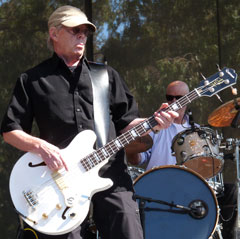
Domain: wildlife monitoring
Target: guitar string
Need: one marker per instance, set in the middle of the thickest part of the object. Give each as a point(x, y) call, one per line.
point(127, 137)
point(130, 136)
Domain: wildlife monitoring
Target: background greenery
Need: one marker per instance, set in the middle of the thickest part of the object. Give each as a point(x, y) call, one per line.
point(150, 42)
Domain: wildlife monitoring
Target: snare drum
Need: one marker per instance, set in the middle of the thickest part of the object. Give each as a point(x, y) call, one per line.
point(181, 186)
point(198, 150)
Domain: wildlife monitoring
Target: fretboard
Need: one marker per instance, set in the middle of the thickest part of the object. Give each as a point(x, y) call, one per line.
point(124, 139)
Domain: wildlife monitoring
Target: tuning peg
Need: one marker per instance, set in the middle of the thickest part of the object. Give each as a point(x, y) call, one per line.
point(219, 98)
point(221, 74)
point(234, 90)
point(206, 82)
point(226, 81)
point(219, 69)
point(202, 76)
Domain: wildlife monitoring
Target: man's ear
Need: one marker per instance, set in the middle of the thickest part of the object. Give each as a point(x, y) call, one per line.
point(53, 33)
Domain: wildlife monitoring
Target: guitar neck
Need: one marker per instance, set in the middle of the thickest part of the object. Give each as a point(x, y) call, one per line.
point(124, 139)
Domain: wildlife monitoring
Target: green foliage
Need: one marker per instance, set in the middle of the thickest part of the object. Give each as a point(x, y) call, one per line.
point(162, 41)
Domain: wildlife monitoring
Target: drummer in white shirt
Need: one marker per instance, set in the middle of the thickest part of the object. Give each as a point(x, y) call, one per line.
point(159, 144)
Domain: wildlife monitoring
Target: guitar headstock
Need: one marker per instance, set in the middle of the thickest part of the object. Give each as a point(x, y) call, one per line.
point(217, 82)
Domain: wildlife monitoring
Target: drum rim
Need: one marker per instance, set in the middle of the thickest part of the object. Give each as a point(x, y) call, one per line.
point(185, 132)
point(182, 167)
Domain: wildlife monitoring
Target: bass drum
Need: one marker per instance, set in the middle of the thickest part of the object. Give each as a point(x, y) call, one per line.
point(181, 186)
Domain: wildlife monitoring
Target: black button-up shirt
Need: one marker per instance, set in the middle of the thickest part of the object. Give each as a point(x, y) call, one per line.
point(61, 102)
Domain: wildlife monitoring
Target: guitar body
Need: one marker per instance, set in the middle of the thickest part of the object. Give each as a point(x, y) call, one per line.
point(57, 203)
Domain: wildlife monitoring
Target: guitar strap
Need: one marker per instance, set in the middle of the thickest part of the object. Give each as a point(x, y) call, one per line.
point(100, 84)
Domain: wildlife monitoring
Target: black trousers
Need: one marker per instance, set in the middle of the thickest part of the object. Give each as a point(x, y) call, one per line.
point(116, 215)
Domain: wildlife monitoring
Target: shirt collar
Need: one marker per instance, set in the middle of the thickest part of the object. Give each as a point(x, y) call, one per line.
point(57, 60)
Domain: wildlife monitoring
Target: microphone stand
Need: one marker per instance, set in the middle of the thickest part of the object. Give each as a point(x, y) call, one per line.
point(195, 210)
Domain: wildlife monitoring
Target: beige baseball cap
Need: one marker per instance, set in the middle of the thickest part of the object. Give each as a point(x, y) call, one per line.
point(69, 16)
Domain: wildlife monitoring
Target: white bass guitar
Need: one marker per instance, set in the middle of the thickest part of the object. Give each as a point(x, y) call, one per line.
point(55, 203)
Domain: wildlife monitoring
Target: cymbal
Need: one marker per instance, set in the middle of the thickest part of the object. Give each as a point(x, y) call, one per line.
point(224, 114)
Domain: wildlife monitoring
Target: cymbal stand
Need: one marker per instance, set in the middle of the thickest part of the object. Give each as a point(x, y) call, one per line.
point(237, 228)
point(236, 120)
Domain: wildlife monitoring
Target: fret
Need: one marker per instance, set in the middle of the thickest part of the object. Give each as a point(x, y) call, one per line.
point(152, 122)
point(101, 155)
point(134, 133)
point(86, 165)
point(90, 163)
point(110, 148)
point(146, 126)
point(182, 102)
point(139, 129)
point(174, 106)
point(179, 104)
point(114, 146)
point(97, 157)
point(118, 143)
point(197, 92)
point(124, 139)
point(131, 136)
point(104, 152)
point(189, 101)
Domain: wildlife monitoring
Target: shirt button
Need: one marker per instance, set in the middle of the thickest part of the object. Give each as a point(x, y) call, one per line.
point(78, 110)
point(80, 126)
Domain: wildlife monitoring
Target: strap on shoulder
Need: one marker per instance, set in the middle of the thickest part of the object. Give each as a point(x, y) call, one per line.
point(100, 85)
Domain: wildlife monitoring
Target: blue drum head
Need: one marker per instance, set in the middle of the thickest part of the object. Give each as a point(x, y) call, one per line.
point(181, 186)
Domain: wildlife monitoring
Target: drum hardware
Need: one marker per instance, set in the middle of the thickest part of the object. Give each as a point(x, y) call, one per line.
point(217, 185)
point(208, 148)
point(219, 138)
point(237, 228)
point(191, 121)
point(228, 145)
point(217, 234)
point(134, 172)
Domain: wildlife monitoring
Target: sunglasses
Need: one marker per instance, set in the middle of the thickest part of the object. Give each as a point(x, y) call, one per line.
point(171, 97)
point(78, 30)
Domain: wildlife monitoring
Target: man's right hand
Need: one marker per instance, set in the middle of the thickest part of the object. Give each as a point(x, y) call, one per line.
point(50, 154)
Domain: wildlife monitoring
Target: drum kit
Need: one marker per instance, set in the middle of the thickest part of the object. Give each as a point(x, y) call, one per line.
point(181, 201)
